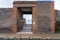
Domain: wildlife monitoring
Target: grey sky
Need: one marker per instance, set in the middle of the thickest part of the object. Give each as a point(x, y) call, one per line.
point(6, 3)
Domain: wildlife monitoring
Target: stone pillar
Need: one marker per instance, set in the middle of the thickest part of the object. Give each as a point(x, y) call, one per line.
point(52, 18)
point(34, 19)
point(14, 26)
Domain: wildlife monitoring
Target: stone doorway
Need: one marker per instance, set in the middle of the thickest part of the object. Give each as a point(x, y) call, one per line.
point(36, 11)
point(17, 8)
point(24, 20)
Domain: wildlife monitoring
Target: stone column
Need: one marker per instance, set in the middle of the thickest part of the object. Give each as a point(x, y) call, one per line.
point(34, 19)
point(14, 26)
point(52, 18)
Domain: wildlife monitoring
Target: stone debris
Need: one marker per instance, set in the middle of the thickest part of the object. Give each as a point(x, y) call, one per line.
point(28, 38)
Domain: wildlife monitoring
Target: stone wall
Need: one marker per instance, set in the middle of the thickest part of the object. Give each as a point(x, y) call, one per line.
point(42, 20)
point(6, 20)
point(43, 17)
point(57, 12)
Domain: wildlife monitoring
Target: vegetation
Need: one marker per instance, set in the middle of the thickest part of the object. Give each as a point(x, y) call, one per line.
point(57, 30)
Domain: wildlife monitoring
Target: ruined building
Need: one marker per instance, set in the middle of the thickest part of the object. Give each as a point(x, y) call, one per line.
point(43, 16)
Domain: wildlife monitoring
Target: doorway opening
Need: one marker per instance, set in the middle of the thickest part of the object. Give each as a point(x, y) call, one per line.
point(24, 20)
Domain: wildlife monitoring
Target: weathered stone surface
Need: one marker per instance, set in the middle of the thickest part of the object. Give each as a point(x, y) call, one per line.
point(6, 20)
point(43, 8)
point(5, 13)
point(29, 38)
point(43, 17)
point(57, 12)
point(42, 14)
point(43, 24)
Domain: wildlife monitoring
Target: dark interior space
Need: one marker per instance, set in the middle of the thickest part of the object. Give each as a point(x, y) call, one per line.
point(57, 27)
point(29, 12)
point(25, 10)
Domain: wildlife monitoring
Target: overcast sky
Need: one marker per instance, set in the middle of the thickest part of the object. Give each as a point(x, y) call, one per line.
point(9, 3)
